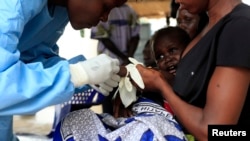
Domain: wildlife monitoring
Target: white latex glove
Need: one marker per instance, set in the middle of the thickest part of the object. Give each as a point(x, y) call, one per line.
point(108, 86)
point(94, 71)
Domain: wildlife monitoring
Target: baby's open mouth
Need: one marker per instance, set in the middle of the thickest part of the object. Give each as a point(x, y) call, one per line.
point(172, 69)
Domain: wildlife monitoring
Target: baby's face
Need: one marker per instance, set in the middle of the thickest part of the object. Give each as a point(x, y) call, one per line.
point(167, 54)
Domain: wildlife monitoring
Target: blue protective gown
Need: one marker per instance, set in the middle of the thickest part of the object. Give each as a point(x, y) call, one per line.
point(32, 75)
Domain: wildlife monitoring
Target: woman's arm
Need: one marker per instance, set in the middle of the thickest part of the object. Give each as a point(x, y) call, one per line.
point(225, 98)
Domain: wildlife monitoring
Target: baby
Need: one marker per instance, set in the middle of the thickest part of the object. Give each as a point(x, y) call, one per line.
point(151, 118)
point(167, 46)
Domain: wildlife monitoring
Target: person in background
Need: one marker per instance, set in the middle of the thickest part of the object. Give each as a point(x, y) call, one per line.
point(148, 58)
point(211, 85)
point(120, 35)
point(173, 10)
point(149, 118)
point(191, 23)
point(33, 75)
point(118, 38)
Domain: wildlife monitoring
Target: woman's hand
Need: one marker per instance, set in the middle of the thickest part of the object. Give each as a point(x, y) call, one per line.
point(152, 78)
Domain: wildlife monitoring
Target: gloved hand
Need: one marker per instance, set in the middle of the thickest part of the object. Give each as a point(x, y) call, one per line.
point(108, 86)
point(94, 71)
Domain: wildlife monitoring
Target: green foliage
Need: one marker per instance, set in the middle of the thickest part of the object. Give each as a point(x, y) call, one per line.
point(190, 137)
point(82, 33)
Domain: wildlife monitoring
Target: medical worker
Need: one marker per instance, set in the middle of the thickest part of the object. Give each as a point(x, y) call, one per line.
point(32, 74)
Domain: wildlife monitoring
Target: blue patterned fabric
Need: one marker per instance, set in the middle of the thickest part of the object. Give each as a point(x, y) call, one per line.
point(145, 125)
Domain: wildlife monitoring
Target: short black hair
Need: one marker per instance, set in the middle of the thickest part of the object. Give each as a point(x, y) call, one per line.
point(171, 32)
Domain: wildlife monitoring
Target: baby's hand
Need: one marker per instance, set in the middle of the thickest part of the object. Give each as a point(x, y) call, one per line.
point(119, 110)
